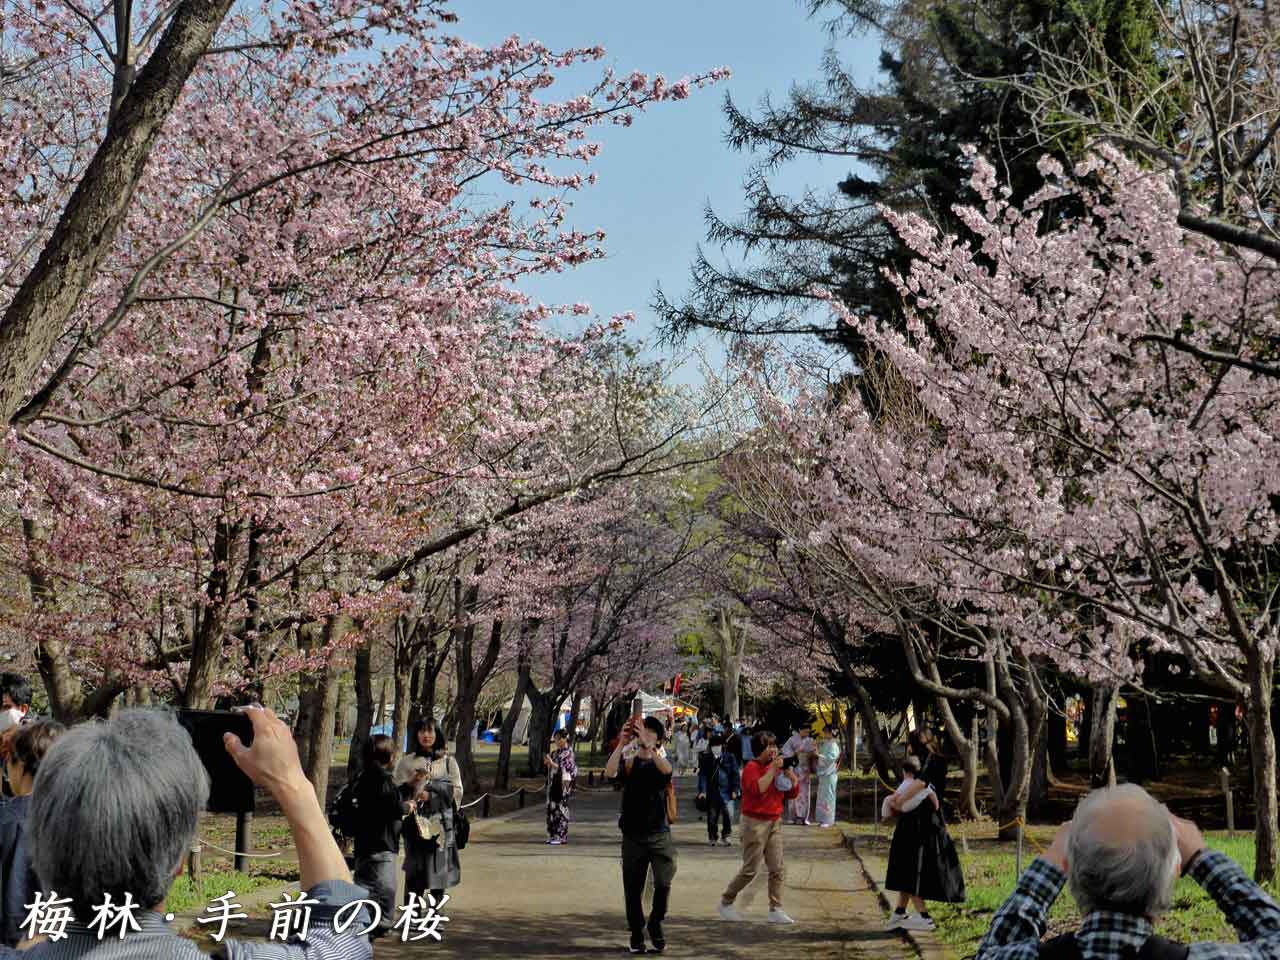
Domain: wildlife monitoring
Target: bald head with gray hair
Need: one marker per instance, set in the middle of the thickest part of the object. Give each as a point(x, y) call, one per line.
point(114, 809)
point(1122, 854)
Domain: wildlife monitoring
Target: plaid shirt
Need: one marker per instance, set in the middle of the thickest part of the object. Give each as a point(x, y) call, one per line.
point(1019, 925)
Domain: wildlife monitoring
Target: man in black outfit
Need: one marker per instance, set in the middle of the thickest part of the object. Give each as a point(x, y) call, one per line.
point(642, 767)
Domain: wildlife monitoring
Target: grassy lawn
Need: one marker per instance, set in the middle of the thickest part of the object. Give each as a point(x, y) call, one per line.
point(183, 897)
point(989, 870)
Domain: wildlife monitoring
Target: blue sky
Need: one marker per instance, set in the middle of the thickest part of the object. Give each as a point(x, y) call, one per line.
point(656, 176)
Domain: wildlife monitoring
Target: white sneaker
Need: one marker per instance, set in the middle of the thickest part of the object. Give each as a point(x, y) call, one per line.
point(730, 913)
point(917, 922)
point(896, 921)
point(777, 916)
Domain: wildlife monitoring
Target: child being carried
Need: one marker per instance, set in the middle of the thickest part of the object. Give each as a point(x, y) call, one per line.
point(910, 771)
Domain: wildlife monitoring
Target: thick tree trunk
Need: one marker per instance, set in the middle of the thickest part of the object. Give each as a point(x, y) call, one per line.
point(1102, 735)
point(1262, 755)
point(400, 705)
point(208, 633)
point(503, 779)
point(1057, 734)
point(363, 683)
point(308, 680)
point(967, 749)
point(540, 708)
point(1227, 734)
point(1144, 764)
point(42, 306)
point(380, 713)
point(599, 708)
point(320, 752)
point(463, 746)
point(970, 756)
point(732, 651)
point(346, 687)
point(573, 715)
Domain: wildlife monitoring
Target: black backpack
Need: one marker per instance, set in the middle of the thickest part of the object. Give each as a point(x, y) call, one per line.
point(344, 811)
point(461, 828)
point(1156, 948)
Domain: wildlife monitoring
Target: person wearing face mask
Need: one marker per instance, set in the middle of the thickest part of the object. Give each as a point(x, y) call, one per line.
point(15, 708)
point(15, 700)
point(719, 783)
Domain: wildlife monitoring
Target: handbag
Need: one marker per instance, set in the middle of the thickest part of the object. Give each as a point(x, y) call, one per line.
point(461, 828)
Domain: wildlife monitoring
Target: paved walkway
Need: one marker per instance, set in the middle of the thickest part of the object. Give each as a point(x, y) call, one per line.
point(521, 898)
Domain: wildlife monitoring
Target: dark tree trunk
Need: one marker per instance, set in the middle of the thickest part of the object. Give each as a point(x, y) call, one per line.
point(503, 779)
point(573, 716)
point(1102, 734)
point(363, 682)
point(1144, 764)
point(1228, 734)
point(1057, 745)
point(39, 311)
point(1262, 756)
point(540, 707)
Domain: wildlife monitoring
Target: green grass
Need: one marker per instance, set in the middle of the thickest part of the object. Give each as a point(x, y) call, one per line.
point(183, 897)
point(989, 874)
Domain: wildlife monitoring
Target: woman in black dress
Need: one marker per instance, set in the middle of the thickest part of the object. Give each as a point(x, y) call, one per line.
point(923, 864)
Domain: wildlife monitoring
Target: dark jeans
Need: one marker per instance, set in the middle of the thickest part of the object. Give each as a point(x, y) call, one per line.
point(719, 814)
point(638, 855)
point(377, 873)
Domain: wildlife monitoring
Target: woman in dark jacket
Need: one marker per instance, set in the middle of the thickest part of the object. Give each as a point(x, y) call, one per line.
point(27, 746)
point(923, 864)
point(382, 806)
point(431, 862)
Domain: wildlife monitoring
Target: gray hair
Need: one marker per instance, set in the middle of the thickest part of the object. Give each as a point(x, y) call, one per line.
point(1122, 854)
point(114, 809)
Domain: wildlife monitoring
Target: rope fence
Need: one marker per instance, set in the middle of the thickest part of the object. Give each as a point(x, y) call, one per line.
point(244, 853)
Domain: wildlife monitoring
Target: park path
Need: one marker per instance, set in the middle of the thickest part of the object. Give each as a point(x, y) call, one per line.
point(521, 898)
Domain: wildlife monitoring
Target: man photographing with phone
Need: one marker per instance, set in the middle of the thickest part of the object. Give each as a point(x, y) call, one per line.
point(765, 786)
point(640, 763)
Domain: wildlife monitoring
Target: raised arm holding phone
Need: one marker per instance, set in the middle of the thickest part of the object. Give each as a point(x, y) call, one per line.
point(641, 765)
point(764, 791)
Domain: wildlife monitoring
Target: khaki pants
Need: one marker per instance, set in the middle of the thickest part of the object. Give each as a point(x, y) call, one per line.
point(761, 840)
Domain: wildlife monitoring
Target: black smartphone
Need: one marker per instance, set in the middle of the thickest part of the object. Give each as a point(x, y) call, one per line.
point(230, 791)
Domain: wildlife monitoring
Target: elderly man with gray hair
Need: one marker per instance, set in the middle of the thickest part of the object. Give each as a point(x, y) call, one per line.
point(1121, 854)
point(113, 813)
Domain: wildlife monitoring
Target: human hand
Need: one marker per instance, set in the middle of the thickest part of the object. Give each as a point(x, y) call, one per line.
point(1057, 852)
point(271, 761)
point(776, 763)
point(1190, 841)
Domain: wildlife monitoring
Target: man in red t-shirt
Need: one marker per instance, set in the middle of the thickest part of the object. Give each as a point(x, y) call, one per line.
point(765, 787)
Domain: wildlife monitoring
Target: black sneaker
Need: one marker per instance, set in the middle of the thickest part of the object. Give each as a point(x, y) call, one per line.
point(656, 938)
point(637, 945)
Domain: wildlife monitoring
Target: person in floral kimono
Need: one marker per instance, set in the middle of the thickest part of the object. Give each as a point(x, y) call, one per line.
point(562, 771)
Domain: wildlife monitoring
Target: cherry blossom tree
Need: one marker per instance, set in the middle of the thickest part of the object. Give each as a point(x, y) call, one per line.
point(1068, 486)
point(302, 367)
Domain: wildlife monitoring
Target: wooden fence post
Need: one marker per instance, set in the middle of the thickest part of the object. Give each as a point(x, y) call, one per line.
point(1225, 779)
